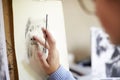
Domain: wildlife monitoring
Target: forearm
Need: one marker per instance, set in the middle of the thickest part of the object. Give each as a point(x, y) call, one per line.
point(61, 74)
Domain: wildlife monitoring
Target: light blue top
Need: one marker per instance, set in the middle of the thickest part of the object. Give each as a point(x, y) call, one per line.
point(61, 74)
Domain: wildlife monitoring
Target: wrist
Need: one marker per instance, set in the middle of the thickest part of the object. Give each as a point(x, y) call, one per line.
point(59, 74)
point(54, 69)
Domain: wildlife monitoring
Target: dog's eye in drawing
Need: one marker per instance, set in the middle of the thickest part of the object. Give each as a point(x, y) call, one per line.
point(31, 39)
point(32, 28)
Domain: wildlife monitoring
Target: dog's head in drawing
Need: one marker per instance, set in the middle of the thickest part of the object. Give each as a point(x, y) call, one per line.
point(33, 28)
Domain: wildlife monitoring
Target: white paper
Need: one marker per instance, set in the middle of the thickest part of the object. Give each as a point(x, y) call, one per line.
point(35, 12)
point(4, 73)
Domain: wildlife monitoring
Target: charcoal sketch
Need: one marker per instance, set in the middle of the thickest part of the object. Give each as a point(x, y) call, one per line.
point(106, 54)
point(2, 65)
point(4, 72)
point(28, 21)
point(33, 28)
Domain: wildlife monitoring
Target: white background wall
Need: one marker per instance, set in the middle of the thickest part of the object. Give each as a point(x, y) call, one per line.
point(77, 25)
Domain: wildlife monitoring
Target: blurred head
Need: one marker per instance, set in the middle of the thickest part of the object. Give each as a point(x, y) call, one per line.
point(108, 12)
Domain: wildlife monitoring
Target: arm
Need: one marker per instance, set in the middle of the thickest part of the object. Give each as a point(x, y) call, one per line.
point(61, 74)
point(51, 65)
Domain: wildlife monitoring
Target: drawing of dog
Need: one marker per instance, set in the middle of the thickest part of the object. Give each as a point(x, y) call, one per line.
point(33, 28)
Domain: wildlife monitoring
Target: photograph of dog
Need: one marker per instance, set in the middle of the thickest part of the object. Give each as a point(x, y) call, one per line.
point(106, 54)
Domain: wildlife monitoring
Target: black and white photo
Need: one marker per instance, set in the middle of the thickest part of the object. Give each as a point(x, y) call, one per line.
point(105, 56)
point(4, 72)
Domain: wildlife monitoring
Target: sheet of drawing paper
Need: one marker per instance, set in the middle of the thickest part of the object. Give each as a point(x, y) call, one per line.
point(29, 17)
point(4, 72)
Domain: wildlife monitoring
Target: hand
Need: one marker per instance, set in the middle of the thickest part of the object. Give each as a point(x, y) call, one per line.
point(51, 64)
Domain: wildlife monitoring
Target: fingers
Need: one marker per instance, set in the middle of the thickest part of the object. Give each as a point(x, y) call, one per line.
point(41, 42)
point(43, 60)
point(49, 37)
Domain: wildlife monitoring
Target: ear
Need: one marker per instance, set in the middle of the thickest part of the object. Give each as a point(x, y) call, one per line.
point(27, 26)
point(29, 20)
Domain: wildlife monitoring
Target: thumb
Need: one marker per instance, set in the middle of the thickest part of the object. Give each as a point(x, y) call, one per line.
point(43, 60)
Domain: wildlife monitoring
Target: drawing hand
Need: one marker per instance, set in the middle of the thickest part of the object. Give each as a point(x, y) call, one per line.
point(51, 64)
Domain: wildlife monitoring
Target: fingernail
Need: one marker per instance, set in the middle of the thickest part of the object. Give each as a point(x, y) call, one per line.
point(39, 54)
point(42, 28)
point(34, 38)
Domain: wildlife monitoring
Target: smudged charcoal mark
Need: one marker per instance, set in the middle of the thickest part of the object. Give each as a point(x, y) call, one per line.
point(31, 54)
point(28, 52)
point(27, 27)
